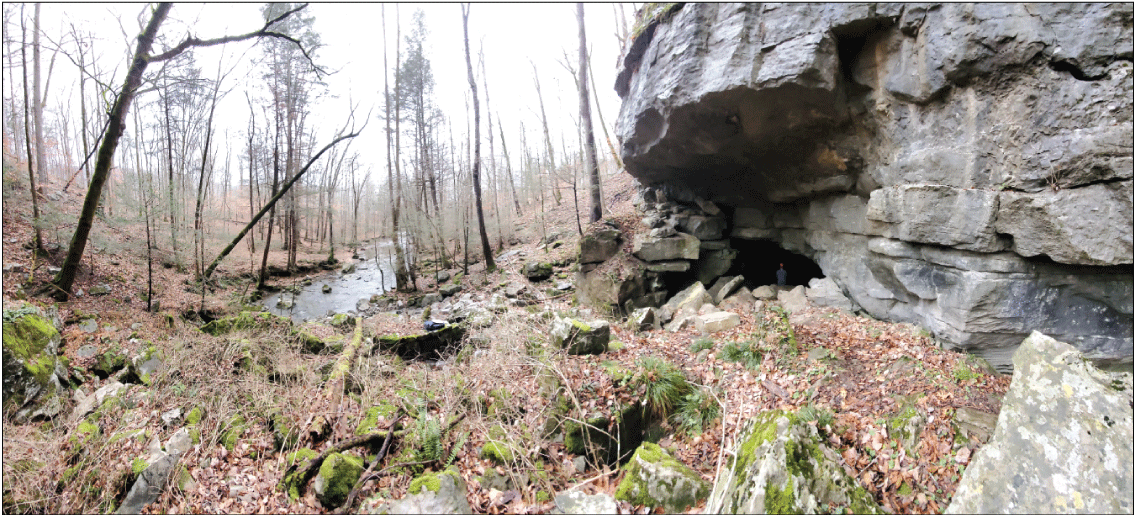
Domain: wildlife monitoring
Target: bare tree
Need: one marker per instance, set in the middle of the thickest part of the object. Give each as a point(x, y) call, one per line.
point(585, 119)
point(27, 141)
point(547, 135)
point(485, 247)
point(140, 60)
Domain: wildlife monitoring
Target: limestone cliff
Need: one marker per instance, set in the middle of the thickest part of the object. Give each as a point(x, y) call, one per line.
point(967, 167)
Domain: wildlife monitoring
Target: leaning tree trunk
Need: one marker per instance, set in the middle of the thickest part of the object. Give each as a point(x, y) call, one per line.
point(115, 127)
point(485, 247)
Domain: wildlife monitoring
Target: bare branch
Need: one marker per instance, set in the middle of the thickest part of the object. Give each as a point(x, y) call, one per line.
point(193, 41)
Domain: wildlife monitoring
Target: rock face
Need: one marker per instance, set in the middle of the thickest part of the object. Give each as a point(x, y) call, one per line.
point(1063, 440)
point(781, 466)
point(965, 167)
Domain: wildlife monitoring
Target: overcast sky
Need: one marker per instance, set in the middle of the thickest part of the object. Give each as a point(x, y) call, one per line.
point(511, 35)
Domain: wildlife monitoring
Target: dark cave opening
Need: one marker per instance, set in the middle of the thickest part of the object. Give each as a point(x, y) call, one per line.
point(758, 261)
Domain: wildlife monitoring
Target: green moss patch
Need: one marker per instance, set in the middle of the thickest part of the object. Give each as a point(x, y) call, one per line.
point(431, 481)
point(247, 320)
point(337, 475)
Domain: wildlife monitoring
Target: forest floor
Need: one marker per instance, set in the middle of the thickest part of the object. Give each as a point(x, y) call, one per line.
point(859, 378)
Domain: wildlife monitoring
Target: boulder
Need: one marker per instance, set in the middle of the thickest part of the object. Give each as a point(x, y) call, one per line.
point(537, 271)
point(599, 246)
point(579, 337)
point(826, 293)
point(657, 480)
point(442, 276)
point(716, 322)
point(100, 289)
point(644, 319)
point(724, 287)
point(766, 292)
point(337, 475)
point(693, 297)
point(1062, 440)
point(579, 503)
point(32, 367)
point(349, 268)
point(794, 300)
point(680, 246)
point(780, 465)
point(449, 290)
point(326, 288)
point(435, 493)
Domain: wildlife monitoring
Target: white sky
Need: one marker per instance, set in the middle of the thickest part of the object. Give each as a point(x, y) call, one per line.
point(512, 34)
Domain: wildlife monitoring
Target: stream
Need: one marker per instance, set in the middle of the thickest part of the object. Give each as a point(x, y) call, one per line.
point(368, 279)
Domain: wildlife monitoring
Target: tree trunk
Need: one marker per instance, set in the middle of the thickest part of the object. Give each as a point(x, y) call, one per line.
point(485, 247)
point(547, 135)
point(27, 140)
point(508, 169)
point(37, 103)
point(591, 159)
point(66, 277)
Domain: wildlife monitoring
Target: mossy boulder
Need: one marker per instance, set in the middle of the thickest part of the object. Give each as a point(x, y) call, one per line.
point(655, 479)
point(436, 492)
point(234, 428)
point(581, 337)
point(499, 453)
point(337, 475)
point(291, 481)
point(30, 361)
point(246, 320)
point(537, 271)
point(781, 466)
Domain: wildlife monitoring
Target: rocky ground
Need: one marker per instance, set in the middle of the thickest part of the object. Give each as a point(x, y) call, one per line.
point(236, 413)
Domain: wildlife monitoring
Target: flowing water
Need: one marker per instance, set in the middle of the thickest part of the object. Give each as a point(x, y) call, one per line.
point(369, 278)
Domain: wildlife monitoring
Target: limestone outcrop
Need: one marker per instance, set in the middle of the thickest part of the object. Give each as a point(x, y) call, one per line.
point(1063, 440)
point(965, 167)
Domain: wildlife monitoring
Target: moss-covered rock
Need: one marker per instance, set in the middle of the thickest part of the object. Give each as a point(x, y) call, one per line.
point(782, 466)
point(291, 481)
point(109, 362)
point(535, 271)
point(439, 492)
point(337, 475)
point(30, 360)
point(580, 337)
point(246, 320)
point(233, 430)
point(655, 479)
point(192, 423)
point(498, 452)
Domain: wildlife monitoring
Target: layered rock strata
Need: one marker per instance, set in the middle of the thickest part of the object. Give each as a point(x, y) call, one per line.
point(966, 167)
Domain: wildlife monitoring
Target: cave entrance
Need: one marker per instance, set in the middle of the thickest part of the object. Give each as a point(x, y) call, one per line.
point(758, 261)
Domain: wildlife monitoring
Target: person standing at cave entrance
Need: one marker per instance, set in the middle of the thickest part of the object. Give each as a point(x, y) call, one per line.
point(781, 276)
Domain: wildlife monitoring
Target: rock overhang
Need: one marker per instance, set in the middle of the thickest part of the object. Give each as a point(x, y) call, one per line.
point(996, 137)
